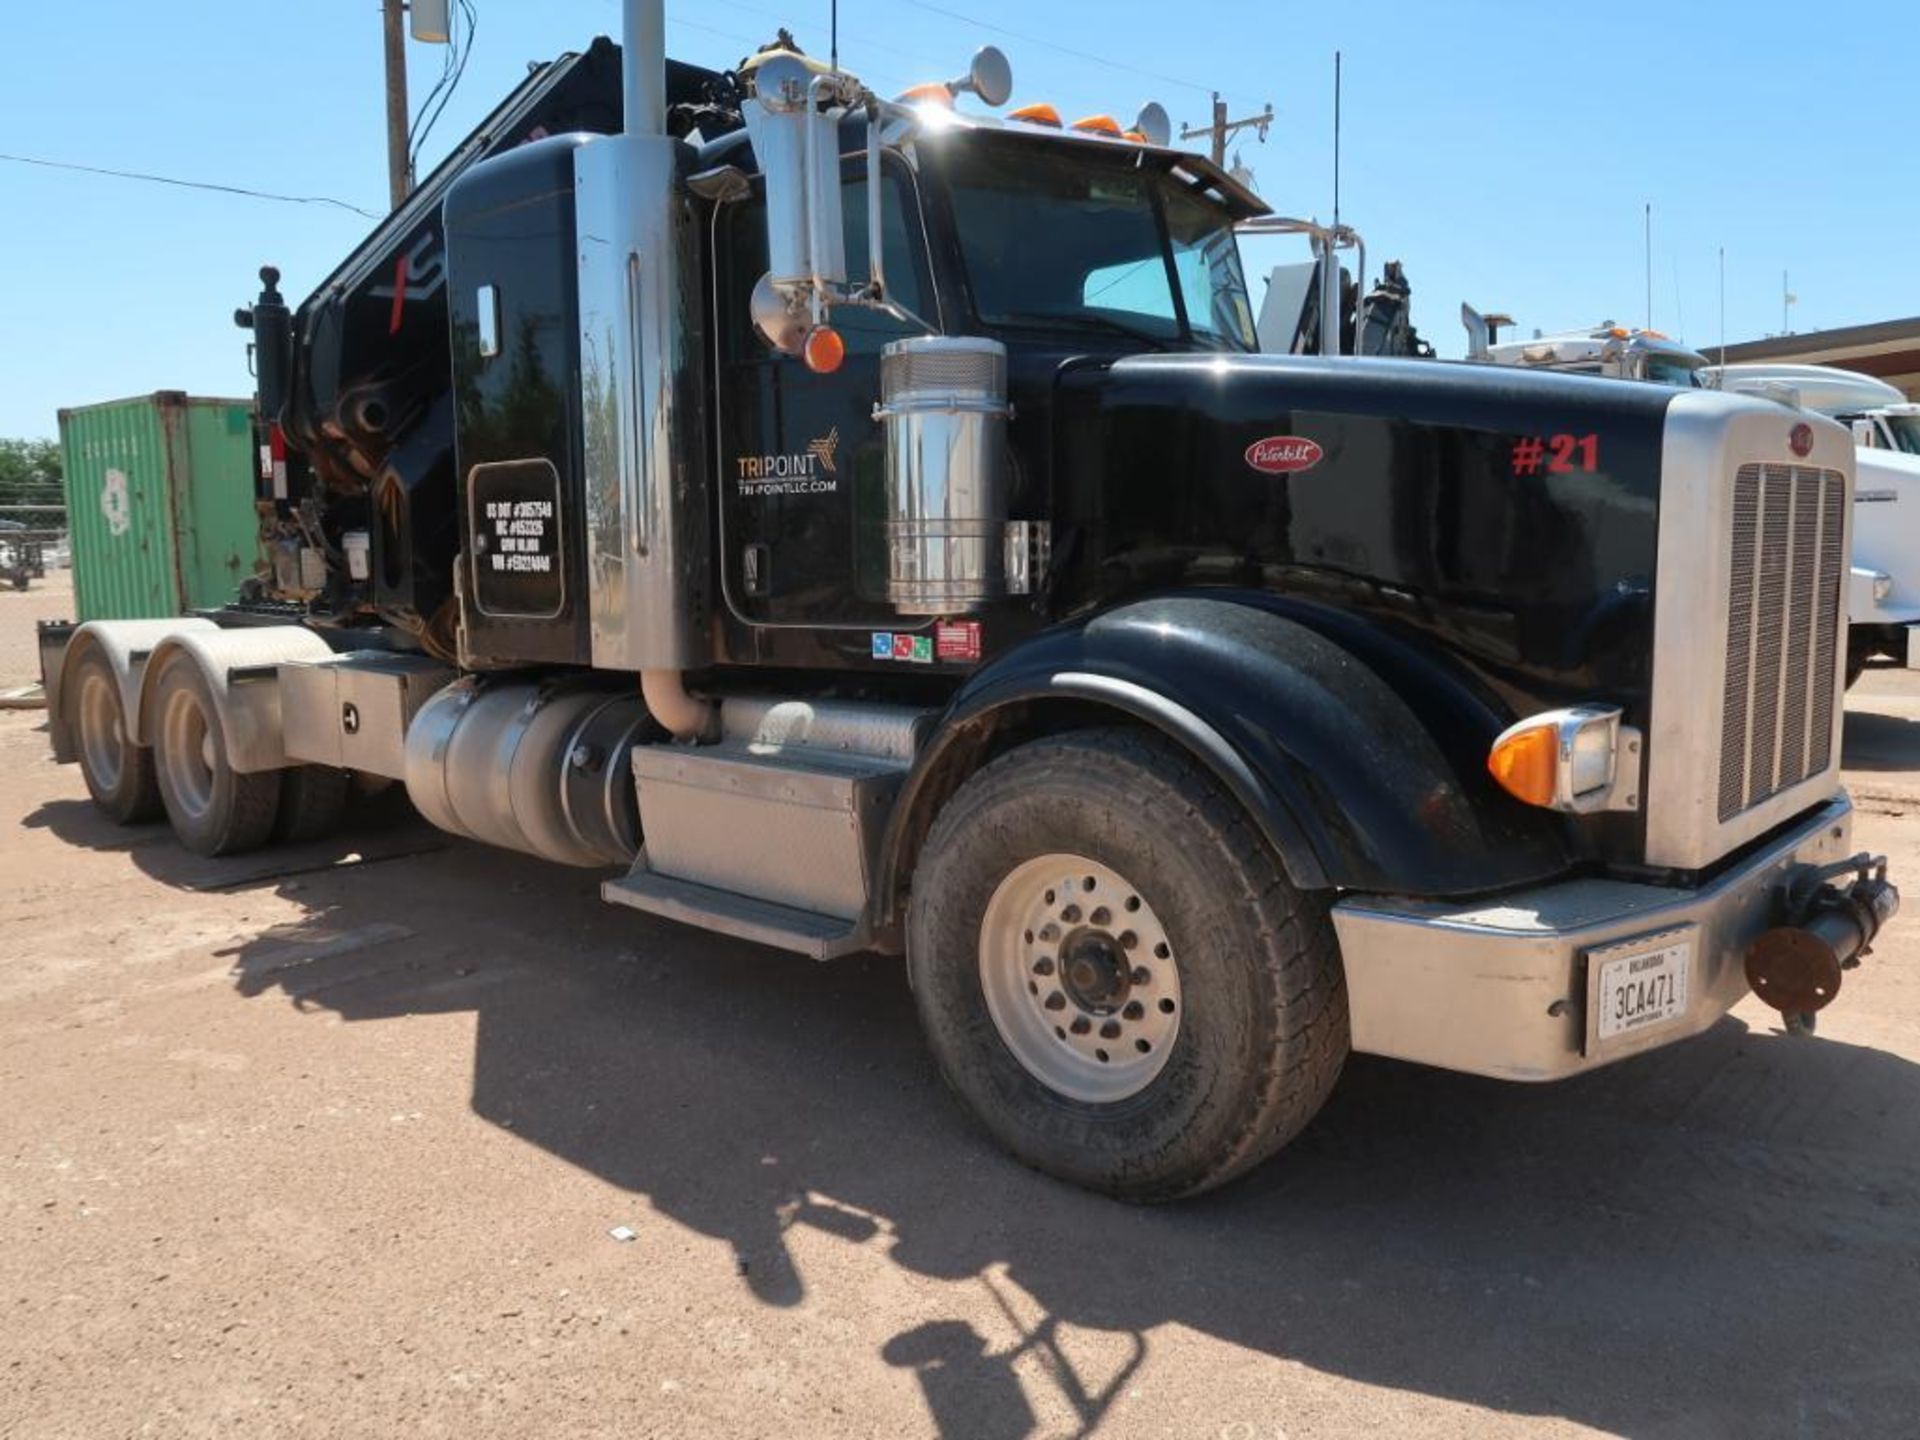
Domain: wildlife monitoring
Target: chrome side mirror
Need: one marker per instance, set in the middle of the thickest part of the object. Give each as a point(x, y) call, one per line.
point(1154, 125)
point(990, 77)
point(794, 119)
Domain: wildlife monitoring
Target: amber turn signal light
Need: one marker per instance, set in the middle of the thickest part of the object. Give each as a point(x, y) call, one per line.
point(1527, 763)
point(824, 350)
point(1570, 760)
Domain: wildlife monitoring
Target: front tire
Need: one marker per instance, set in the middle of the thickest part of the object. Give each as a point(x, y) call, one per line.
point(1115, 974)
point(215, 810)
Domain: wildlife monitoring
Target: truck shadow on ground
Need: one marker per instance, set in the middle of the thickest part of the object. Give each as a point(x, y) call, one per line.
point(1609, 1250)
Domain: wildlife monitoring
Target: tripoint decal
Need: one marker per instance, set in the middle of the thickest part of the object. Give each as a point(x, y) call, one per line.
point(812, 471)
point(824, 448)
point(1284, 454)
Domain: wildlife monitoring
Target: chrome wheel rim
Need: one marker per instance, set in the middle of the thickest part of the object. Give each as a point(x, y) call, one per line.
point(102, 739)
point(187, 753)
point(1080, 978)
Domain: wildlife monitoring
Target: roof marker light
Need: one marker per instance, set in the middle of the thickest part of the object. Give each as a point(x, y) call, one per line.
point(1098, 125)
point(1041, 114)
point(931, 92)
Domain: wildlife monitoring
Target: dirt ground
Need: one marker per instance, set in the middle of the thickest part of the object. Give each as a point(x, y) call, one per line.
point(295, 1144)
point(50, 598)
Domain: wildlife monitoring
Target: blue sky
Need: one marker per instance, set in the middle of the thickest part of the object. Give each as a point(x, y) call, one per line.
point(1504, 151)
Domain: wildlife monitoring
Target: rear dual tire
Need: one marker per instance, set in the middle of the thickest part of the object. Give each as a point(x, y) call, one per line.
point(313, 798)
point(119, 774)
point(214, 809)
point(1114, 973)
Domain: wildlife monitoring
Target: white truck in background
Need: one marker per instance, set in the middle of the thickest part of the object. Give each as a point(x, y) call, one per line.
point(1618, 351)
point(1884, 595)
point(1884, 588)
point(1881, 416)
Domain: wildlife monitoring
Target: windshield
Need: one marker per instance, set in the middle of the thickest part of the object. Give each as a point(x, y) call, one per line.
point(1665, 370)
point(1068, 240)
point(1905, 432)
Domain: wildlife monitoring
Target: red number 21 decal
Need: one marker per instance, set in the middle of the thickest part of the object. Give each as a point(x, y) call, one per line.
point(1561, 454)
point(1572, 452)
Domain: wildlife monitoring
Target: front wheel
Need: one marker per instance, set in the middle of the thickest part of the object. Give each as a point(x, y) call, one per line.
point(1114, 973)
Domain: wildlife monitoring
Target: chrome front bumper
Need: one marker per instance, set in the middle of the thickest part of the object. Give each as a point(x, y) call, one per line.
point(1500, 986)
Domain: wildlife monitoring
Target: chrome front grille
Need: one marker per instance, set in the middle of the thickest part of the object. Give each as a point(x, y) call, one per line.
point(1783, 621)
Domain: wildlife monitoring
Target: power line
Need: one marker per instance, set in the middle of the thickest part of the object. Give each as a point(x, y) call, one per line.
point(753, 45)
point(453, 67)
point(191, 184)
point(1222, 127)
point(1086, 55)
point(864, 42)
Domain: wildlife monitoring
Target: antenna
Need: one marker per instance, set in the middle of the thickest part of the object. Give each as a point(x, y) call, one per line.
point(1649, 264)
point(1723, 304)
point(833, 40)
point(1336, 139)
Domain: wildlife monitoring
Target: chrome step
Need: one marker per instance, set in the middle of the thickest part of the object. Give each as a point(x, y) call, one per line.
point(821, 936)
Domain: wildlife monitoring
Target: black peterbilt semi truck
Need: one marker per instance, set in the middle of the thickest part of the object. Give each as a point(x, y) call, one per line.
point(864, 524)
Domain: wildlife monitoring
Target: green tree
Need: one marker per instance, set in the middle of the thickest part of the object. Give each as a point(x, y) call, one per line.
point(30, 472)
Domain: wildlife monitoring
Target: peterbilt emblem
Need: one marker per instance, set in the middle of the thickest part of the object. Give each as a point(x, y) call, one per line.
point(1800, 440)
point(1284, 454)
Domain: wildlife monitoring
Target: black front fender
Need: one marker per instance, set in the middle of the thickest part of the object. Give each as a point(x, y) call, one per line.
point(1363, 774)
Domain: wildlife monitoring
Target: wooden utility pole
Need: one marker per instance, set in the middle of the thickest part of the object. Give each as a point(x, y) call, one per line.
point(1223, 127)
point(399, 180)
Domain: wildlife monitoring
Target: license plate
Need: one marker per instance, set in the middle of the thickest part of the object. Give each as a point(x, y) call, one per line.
point(1641, 986)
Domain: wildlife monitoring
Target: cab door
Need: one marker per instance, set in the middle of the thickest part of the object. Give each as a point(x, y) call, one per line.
point(801, 458)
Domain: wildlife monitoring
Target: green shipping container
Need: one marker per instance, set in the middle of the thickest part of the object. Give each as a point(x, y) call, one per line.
point(159, 503)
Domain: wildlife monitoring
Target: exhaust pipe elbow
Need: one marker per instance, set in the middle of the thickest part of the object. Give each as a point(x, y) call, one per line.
point(684, 716)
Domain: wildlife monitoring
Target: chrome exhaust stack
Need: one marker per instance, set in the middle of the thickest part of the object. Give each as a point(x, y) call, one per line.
point(645, 455)
point(1796, 966)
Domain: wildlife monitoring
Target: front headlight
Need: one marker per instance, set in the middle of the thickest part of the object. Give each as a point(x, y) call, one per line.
point(1591, 756)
